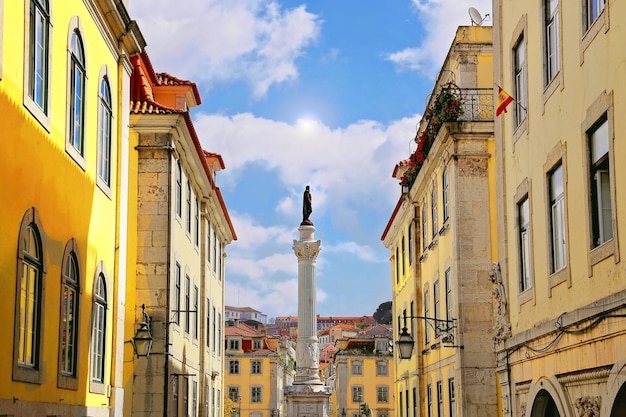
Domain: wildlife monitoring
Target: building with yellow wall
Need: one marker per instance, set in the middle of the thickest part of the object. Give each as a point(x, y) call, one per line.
point(442, 241)
point(178, 229)
point(560, 187)
point(64, 100)
point(257, 368)
point(364, 373)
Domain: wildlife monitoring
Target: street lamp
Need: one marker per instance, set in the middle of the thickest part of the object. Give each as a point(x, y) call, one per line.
point(142, 342)
point(343, 412)
point(406, 343)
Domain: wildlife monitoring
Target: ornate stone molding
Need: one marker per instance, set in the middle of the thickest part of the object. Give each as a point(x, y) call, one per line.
point(588, 406)
point(306, 250)
point(502, 328)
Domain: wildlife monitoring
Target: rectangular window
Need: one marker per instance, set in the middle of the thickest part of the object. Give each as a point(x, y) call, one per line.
point(424, 227)
point(445, 193)
point(524, 242)
point(400, 407)
point(448, 282)
point(187, 302)
point(519, 63)
point(195, 309)
point(208, 323)
point(196, 229)
point(233, 367)
point(410, 248)
point(213, 402)
point(403, 257)
point(219, 402)
point(414, 402)
point(255, 394)
point(381, 367)
point(188, 207)
point(185, 396)
point(433, 212)
point(233, 393)
point(207, 400)
point(557, 218)
point(429, 400)
point(594, 8)
point(439, 399)
point(256, 344)
point(451, 397)
point(208, 242)
point(600, 181)
point(382, 394)
point(233, 344)
point(357, 368)
point(179, 189)
point(214, 331)
point(397, 265)
point(175, 394)
point(357, 393)
point(436, 308)
point(219, 331)
point(552, 39)
point(194, 399)
point(426, 314)
point(177, 295)
point(256, 367)
point(214, 251)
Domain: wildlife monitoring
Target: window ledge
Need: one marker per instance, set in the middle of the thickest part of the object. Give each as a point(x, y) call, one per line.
point(444, 228)
point(423, 256)
point(602, 252)
point(433, 244)
point(525, 296)
point(558, 277)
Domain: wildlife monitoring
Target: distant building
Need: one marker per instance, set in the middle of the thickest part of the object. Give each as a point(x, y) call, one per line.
point(363, 372)
point(257, 368)
point(243, 314)
point(292, 321)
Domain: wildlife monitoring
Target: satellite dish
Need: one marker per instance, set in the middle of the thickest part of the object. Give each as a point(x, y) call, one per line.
point(477, 18)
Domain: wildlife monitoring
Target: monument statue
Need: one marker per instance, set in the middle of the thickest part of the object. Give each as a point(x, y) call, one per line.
point(306, 206)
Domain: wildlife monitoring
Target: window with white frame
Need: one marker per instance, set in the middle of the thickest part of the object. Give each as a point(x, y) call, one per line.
point(445, 194)
point(593, 10)
point(397, 265)
point(382, 394)
point(105, 118)
point(179, 189)
point(519, 65)
point(436, 301)
point(433, 211)
point(448, 283)
point(256, 344)
point(557, 218)
point(196, 225)
point(195, 313)
point(523, 211)
point(403, 257)
point(234, 344)
point(76, 111)
point(208, 242)
point(551, 32)
point(426, 314)
point(600, 182)
point(98, 334)
point(424, 226)
point(255, 367)
point(187, 303)
point(38, 41)
point(439, 399)
point(429, 400)
point(255, 394)
point(219, 333)
point(357, 368)
point(410, 245)
point(208, 323)
point(188, 223)
point(194, 398)
point(214, 332)
point(233, 393)
point(177, 294)
point(451, 398)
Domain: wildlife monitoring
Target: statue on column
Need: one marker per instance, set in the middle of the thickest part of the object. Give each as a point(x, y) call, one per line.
point(306, 207)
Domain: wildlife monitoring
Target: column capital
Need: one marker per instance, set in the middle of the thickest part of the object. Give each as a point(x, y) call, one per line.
point(306, 250)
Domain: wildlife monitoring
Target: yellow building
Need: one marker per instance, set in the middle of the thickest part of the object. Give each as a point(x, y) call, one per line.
point(64, 94)
point(560, 187)
point(364, 373)
point(178, 229)
point(258, 367)
point(442, 241)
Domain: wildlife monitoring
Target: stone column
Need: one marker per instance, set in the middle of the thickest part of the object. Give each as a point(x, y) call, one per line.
point(307, 350)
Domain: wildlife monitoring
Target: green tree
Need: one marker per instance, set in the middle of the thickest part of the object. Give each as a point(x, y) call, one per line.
point(382, 315)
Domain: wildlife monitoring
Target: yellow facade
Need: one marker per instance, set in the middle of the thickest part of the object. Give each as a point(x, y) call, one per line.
point(560, 182)
point(363, 375)
point(442, 240)
point(58, 358)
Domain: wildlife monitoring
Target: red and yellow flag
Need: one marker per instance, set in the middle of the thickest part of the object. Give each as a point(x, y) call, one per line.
point(504, 99)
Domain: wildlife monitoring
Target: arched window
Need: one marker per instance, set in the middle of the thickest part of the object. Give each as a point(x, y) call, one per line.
point(68, 328)
point(76, 85)
point(38, 43)
point(98, 333)
point(105, 117)
point(29, 299)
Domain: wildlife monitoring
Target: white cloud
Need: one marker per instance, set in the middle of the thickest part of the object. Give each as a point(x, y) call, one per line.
point(439, 18)
point(364, 253)
point(254, 41)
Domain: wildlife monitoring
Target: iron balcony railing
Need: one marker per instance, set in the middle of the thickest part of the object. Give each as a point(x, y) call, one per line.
point(477, 104)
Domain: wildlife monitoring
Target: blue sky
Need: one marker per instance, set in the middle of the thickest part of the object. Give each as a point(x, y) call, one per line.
point(325, 93)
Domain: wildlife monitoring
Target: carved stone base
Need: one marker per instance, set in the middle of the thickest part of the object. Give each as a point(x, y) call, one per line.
point(307, 400)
